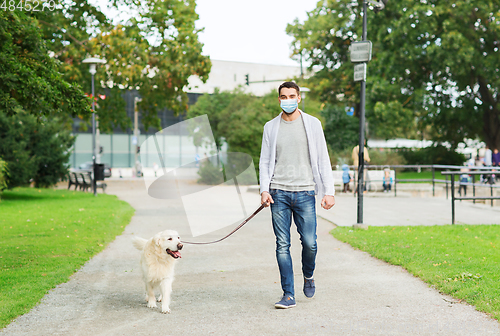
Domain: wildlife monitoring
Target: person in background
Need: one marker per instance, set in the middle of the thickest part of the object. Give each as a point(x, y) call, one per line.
point(346, 178)
point(387, 180)
point(487, 163)
point(495, 162)
point(464, 180)
point(155, 168)
point(355, 160)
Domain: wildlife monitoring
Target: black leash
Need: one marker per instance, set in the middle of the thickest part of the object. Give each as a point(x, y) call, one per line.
point(230, 233)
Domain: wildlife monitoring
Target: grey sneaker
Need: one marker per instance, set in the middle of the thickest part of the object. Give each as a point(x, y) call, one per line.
point(309, 287)
point(287, 301)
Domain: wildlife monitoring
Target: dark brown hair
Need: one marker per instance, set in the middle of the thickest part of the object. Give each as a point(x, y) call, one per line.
point(289, 85)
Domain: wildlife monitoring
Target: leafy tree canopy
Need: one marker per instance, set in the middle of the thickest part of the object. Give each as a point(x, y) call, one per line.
point(34, 150)
point(153, 52)
point(434, 66)
point(341, 130)
point(29, 77)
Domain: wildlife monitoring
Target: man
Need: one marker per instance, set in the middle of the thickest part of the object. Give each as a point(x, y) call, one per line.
point(487, 163)
point(355, 159)
point(495, 162)
point(294, 167)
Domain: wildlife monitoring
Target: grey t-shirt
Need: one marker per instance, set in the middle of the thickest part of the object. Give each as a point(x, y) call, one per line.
point(292, 171)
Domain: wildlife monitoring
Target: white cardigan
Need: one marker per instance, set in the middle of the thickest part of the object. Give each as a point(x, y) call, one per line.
point(318, 153)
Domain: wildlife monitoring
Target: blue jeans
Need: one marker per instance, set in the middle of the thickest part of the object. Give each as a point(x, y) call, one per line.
point(302, 206)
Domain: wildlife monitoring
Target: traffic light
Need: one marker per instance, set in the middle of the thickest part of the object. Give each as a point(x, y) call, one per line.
point(246, 79)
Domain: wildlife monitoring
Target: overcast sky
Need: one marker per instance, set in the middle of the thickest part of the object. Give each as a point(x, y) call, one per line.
point(250, 31)
point(241, 30)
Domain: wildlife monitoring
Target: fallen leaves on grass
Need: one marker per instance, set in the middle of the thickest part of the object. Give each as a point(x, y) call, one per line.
point(464, 277)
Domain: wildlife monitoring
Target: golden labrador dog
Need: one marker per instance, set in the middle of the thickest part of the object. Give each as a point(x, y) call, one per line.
point(158, 257)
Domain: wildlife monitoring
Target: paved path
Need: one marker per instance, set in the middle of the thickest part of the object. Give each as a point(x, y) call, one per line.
point(230, 289)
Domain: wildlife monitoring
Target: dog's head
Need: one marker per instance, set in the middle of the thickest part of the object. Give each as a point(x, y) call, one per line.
point(169, 242)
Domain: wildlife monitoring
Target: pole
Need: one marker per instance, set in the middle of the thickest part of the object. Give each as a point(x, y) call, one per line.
point(433, 182)
point(94, 154)
point(136, 134)
point(97, 140)
point(452, 199)
point(362, 136)
point(474, 187)
point(395, 182)
point(446, 178)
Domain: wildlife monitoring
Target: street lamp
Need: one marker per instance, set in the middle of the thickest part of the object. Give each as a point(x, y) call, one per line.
point(378, 5)
point(92, 62)
point(303, 91)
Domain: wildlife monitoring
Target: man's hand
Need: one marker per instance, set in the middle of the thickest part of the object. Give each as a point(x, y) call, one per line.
point(328, 202)
point(266, 198)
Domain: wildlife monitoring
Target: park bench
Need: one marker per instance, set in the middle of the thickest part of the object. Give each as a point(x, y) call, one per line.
point(88, 182)
point(83, 181)
point(73, 180)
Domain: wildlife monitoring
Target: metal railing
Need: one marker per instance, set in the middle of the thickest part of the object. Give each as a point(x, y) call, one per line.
point(433, 180)
point(474, 198)
point(451, 171)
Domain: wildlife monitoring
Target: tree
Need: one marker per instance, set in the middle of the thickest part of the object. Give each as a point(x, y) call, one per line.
point(243, 123)
point(29, 78)
point(4, 174)
point(153, 52)
point(213, 106)
point(341, 130)
point(35, 150)
point(434, 63)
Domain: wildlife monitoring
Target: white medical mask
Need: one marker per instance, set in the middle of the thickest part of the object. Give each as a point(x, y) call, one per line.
point(289, 105)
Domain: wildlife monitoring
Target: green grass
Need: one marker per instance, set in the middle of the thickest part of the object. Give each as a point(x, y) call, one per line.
point(45, 236)
point(459, 260)
point(427, 175)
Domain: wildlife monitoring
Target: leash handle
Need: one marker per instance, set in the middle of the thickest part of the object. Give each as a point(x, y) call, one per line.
point(262, 206)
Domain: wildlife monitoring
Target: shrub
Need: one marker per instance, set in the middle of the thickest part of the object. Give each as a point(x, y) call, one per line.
point(35, 150)
point(432, 155)
point(4, 174)
point(210, 174)
point(385, 157)
point(340, 157)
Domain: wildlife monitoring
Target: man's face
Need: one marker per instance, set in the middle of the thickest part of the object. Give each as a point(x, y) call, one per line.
point(289, 93)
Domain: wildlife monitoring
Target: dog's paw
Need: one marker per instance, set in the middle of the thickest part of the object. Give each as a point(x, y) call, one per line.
point(165, 310)
point(159, 298)
point(151, 304)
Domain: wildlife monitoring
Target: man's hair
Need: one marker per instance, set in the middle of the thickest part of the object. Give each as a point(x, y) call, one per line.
point(289, 85)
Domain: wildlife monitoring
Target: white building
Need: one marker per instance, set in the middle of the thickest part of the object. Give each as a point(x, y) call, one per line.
point(227, 76)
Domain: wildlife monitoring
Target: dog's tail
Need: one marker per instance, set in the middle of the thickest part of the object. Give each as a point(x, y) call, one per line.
point(139, 243)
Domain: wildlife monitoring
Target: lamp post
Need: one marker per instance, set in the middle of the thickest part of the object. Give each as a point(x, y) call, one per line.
point(303, 91)
point(92, 62)
point(136, 135)
point(378, 6)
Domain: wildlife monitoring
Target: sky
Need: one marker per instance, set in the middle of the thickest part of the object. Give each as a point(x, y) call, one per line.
point(250, 31)
point(241, 30)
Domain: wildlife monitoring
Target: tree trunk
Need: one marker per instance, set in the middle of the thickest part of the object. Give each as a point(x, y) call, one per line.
point(491, 116)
